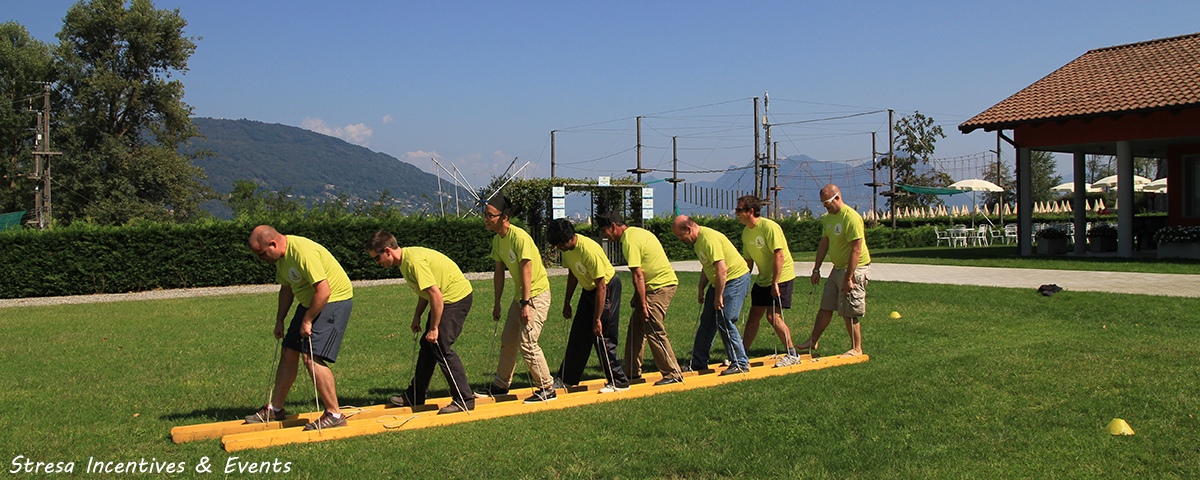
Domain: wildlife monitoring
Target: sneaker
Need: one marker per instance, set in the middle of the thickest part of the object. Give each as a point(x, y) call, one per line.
point(400, 401)
point(788, 360)
point(686, 368)
point(734, 370)
point(543, 395)
point(610, 388)
point(668, 381)
point(558, 384)
point(326, 421)
point(266, 414)
point(492, 391)
point(726, 363)
point(454, 407)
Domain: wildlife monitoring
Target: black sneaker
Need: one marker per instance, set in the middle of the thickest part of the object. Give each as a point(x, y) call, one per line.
point(543, 395)
point(400, 401)
point(492, 391)
point(326, 421)
point(734, 370)
point(266, 414)
point(668, 381)
point(454, 407)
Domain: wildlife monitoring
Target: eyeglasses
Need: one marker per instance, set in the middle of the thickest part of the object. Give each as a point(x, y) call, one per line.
point(830, 201)
point(743, 209)
point(375, 257)
point(490, 215)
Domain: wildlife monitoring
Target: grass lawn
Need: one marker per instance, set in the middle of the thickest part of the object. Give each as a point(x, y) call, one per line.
point(1009, 256)
point(972, 382)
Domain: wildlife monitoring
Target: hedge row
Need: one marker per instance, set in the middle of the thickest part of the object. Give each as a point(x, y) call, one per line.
point(83, 259)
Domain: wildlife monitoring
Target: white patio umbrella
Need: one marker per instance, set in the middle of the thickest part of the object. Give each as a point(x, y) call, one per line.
point(1070, 187)
point(975, 185)
point(1111, 181)
point(1158, 186)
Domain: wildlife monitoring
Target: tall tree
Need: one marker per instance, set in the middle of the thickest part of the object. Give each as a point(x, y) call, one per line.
point(1099, 166)
point(125, 115)
point(917, 135)
point(1003, 179)
point(1042, 166)
point(24, 63)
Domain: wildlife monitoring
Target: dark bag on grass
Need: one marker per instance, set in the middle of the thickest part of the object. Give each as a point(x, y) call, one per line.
point(1048, 290)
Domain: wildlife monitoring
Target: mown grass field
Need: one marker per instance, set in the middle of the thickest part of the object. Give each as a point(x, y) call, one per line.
point(1008, 256)
point(972, 382)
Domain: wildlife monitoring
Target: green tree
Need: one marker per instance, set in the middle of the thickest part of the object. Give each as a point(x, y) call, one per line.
point(1042, 166)
point(125, 118)
point(1099, 166)
point(916, 135)
point(1003, 179)
point(24, 62)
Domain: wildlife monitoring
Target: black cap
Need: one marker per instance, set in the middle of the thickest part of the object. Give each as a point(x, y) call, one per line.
point(501, 203)
point(608, 219)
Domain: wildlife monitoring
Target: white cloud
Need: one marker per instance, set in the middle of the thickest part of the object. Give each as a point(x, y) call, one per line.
point(388, 119)
point(359, 134)
point(419, 156)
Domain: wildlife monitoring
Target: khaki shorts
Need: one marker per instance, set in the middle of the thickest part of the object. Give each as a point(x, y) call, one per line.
point(853, 304)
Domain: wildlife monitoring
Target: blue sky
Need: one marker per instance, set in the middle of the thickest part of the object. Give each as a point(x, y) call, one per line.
point(479, 83)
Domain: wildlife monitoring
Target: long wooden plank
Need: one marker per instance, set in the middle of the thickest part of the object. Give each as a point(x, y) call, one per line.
point(409, 421)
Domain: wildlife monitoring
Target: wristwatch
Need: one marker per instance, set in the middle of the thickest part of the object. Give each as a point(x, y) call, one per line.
point(524, 302)
point(817, 271)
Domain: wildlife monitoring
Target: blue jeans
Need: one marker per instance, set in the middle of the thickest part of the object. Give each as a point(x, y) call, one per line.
point(711, 324)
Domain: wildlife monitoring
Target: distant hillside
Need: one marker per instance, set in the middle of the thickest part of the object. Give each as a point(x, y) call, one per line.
point(315, 166)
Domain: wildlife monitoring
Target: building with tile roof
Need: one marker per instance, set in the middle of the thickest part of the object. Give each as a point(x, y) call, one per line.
point(1135, 100)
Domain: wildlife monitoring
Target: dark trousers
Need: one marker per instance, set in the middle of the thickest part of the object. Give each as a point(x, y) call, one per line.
point(441, 354)
point(583, 340)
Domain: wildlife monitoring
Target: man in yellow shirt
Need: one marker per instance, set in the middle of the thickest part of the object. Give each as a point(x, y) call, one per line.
point(763, 244)
point(725, 270)
point(844, 240)
point(441, 287)
point(654, 285)
point(597, 319)
point(307, 273)
point(513, 250)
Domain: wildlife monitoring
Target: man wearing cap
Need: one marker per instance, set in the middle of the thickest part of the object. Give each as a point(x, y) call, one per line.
point(597, 318)
point(729, 277)
point(654, 285)
point(763, 244)
point(441, 287)
point(513, 249)
point(308, 274)
point(843, 239)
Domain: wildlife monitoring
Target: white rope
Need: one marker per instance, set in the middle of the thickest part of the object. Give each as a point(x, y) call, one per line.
point(274, 375)
point(606, 362)
point(454, 383)
point(312, 368)
point(662, 345)
point(728, 340)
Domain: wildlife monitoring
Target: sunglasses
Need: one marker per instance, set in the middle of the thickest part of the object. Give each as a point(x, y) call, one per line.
point(830, 201)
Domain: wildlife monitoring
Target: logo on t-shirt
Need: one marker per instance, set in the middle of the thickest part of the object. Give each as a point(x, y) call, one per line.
point(512, 256)
point(294, 275)
point(759, 242)
point(703, 259)
point(579, 268)
point(837, 229)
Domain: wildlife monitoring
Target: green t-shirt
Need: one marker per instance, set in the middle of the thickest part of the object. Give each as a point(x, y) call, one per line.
point(643, 250)
point(588, 262)
point(759, 244)
point(842, 228)
point(513, 248)
point(305, 264)
point(423, 268)
point(712, 246)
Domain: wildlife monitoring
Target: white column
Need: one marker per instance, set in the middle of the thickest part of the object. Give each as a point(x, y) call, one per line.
point(1024, 202)
point(1125, 207)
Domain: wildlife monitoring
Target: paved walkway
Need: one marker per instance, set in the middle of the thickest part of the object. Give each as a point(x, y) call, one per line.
point(1174, 285)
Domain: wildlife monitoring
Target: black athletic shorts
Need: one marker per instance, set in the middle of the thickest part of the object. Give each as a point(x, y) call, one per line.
point(761, 296)
point(327, 330)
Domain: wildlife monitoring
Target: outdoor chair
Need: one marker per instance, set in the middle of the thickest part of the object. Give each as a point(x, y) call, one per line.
point(979, 236)
point(958, 236)
point(942, 235)
point(996, 235)
point(1010, 233)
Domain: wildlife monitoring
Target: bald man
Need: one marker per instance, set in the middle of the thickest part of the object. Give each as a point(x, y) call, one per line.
point(309, 274)
point(723, 288)
point(843, 239)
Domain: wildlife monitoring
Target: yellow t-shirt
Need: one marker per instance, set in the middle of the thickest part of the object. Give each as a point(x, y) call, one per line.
point(305, 264)
point(513, 248)
point(842, 228)
point(588, 262)
point(712, 246)
point(423, 268)
point(643, 250)
point(759, 244)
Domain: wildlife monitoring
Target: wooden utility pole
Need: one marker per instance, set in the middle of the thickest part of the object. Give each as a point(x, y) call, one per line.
point(41, 169)
point(552, 154)
point(775, 188)
point(639, 170)
point(675, 176)
point(757, 146)
point(892, 162)
point(764, 189)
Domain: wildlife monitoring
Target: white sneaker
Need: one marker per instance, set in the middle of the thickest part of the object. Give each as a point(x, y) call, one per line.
point(610, 388)
point(787, 361)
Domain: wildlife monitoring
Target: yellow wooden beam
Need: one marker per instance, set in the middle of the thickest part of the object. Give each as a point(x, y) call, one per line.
point(398, 419)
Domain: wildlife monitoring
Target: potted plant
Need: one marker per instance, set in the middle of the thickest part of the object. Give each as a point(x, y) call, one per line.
point(1178, 242)
point(1103, 238)
point(1052, 241)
